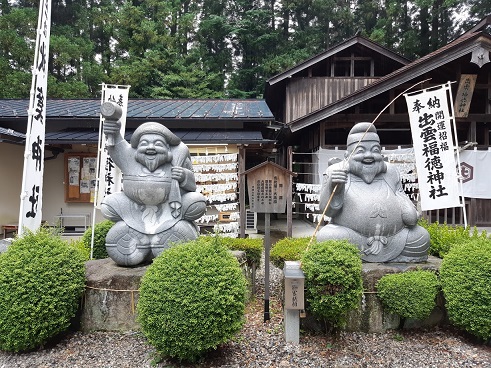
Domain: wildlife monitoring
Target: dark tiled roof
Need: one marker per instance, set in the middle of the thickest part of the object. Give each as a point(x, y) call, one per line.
point(11, 133)
point(187, 136)
point(243, 110)
point(81, 136)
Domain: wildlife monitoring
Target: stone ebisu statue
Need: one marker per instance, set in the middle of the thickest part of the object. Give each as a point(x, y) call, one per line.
point(369, 206)
point(159, 202)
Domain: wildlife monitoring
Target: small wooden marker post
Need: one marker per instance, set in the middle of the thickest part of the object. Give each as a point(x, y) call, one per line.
point(267, 189)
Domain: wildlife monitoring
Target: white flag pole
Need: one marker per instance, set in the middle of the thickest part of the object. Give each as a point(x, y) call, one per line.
point(456, 145)
point(100, 190)
point(31, 198)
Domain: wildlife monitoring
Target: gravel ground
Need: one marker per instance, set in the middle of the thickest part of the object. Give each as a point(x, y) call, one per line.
point(262, 345)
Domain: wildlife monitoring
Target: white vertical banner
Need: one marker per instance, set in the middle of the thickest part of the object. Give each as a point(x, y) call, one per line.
point(432, 120)
point(109, 175)
point(31, 197)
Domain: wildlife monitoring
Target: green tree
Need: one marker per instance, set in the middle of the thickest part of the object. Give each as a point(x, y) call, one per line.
point(253, 41)
point(477, 10)
point(17, 26)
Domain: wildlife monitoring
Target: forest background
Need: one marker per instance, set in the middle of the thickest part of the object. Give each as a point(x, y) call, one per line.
point(208, 48)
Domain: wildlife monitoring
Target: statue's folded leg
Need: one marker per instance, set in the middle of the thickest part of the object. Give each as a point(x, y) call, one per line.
point(338, 232)
point(126, 246)
point(416, 248)
point(182, 231)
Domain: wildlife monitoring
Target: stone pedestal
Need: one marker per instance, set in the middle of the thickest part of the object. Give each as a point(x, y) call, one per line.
point(370, 316)
point(111, 296)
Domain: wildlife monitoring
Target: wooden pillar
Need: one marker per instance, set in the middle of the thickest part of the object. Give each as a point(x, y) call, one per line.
point(242, 188)
point(289, 201)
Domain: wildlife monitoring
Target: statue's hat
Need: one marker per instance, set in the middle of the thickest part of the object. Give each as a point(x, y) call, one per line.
point(364, 132)
point(154, 128)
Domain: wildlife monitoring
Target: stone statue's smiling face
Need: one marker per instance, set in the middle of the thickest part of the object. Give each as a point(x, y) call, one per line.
point(367, 160)
point(152, 151)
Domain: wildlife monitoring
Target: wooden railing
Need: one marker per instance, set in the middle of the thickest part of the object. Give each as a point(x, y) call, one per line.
point(451, 216)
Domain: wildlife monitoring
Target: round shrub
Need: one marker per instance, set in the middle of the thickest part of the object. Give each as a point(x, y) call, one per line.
point(192, 298)
point(333, 279)
point(466, 280)
point(288, 249)
point(41, 281)
point(100, 231)
point(409, 294)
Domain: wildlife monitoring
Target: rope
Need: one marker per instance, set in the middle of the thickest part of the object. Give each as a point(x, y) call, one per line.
point(132, 302)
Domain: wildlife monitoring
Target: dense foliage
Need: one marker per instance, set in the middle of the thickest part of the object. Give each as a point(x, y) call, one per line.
point(100, 231)
point(410, 294)
point(443, 237)
point(207, 48)
point(252, 247)
point(80, 247)
point(333, 279)
point(41, 282)
point(466, 280)
point(192, 299)
point(288, 249)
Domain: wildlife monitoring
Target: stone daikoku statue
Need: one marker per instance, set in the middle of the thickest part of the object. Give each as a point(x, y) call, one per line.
point(159, 202)
point(369, 206)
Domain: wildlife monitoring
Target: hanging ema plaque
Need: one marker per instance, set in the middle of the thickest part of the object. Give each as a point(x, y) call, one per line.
point(268, 187)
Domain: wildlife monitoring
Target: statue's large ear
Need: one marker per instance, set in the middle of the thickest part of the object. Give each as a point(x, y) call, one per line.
point(170, 156)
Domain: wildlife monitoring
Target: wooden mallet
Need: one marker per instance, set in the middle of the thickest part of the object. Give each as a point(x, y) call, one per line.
point(111, 112)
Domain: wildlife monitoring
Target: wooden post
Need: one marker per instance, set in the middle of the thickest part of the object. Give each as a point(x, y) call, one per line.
point(289, 201)
point(242, 179)
point(267, 246)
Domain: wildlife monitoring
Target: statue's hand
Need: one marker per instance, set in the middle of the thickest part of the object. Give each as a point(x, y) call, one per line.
point(111, 127)
point(178, 173)
point(339, 176)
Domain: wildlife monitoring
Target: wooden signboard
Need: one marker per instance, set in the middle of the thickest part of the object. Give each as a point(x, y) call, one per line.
point(268, 187)
point(80, 177)
point(464, 95)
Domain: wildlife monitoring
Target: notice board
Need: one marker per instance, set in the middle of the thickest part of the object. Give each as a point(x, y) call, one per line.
point(80, 177)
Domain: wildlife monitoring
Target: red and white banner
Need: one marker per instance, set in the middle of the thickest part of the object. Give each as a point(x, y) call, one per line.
point(432, 120)
point(110, 176)
point(31, 197)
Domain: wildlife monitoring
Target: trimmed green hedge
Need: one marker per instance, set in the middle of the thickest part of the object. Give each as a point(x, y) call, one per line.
point(466, 280)
point(333, 279)
point(41, 282)
point(192, 298)
point(443, 237)
point(252, 247)
point(288, 249)
point(100, 231)
point(410, 294)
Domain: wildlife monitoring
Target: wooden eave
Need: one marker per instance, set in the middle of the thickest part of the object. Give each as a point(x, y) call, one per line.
point(269, 163)
point(454, 50)
point(486, 21)
point(333, 51)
